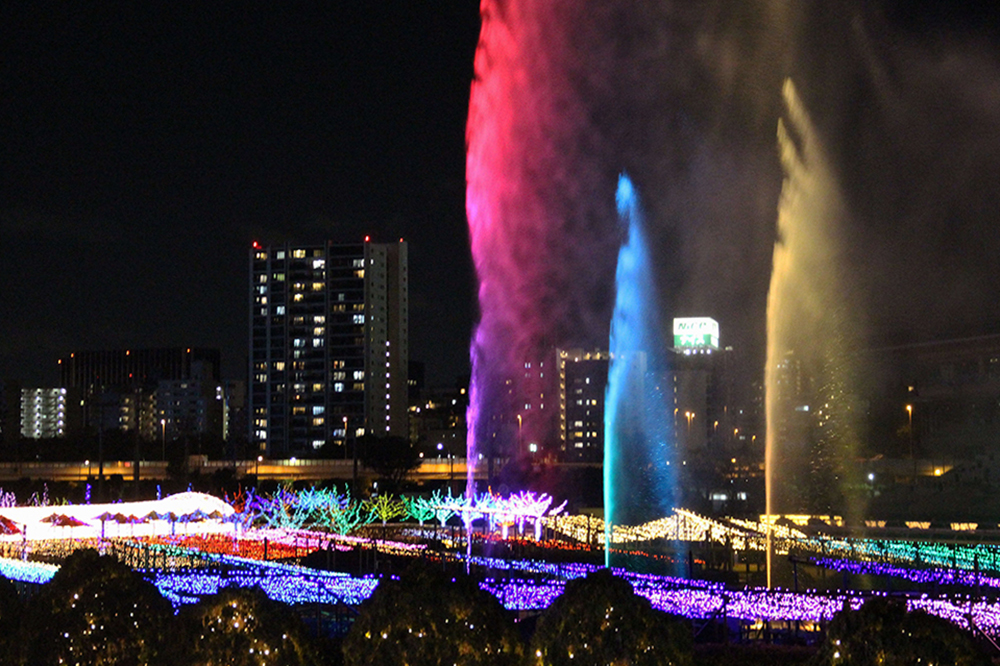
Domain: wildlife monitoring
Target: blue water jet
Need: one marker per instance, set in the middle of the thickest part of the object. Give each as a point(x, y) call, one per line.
point(639, 451)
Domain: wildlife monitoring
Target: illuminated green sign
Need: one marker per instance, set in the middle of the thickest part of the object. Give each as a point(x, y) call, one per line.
point(696, 332)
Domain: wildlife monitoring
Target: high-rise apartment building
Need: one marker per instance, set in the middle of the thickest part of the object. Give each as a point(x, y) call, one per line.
point(583, 378)
point(46, 412)
point(328, 345)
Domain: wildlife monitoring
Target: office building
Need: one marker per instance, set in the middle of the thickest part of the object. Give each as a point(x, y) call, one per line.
point(328, 346)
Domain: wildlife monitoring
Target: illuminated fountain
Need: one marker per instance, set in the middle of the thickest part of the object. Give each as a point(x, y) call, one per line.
point(638, 483)
point(540, 231)
point(812, 414)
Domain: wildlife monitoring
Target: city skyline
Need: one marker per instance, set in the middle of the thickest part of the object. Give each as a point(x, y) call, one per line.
point(143, 151)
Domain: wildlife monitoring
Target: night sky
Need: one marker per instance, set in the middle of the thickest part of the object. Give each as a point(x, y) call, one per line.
point(144, 147)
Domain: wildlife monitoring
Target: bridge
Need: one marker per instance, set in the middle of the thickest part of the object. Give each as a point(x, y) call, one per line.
point(292, 469)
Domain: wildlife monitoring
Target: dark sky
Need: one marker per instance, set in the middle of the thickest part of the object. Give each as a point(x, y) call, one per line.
point(144, 146)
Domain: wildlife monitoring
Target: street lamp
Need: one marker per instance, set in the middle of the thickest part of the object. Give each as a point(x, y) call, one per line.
point(909, 419)
point(163, 439)
point(345, 437)
point(256, 469)
point(519, 434)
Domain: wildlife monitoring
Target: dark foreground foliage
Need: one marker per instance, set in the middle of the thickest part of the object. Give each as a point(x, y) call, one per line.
point(600, 620)
point(883, 633)
point(243, 627)
point(430, 617)
point(96, 610)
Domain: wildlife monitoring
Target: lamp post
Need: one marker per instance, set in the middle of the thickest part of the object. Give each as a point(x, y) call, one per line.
point(256, 470)
point(345, 436)
point(913, 461)
point(163, 439)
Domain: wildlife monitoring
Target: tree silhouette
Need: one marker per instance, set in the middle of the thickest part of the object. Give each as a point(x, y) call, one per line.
point(10, 621)
point(392, 458)
point(600, 620)
point(243, 627)
point(96, 610)
point(428, 617)
point(883, 632)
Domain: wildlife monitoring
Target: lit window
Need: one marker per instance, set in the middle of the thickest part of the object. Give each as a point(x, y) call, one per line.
point(317, 286)
point(359, 319)
point(319, 263)
point(297, 298)
point(338, 387)
point(318, 409)
point(299, 254)
point(279, 309)
point(280, 254)
point(359, 374)
point(319, 319)
point(318, 421)
point(318, 330)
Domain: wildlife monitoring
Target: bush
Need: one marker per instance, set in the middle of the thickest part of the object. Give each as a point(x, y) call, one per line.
point(882, 632)
point(428, 617)
point(243, 627)
point(11, 609)
point(600, 620)
point(96, 610)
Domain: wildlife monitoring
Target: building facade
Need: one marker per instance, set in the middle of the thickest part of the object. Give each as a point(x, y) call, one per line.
point(162, 393)
point(583, 379)
point(45, 413)
point(329, 346)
